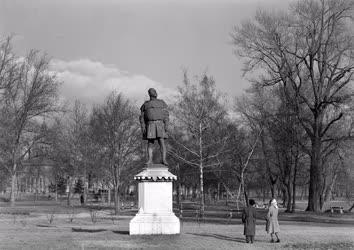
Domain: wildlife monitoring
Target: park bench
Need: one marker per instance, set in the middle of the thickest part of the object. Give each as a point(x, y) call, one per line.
point(234, 212)
point(127, 205)
point(337, 210)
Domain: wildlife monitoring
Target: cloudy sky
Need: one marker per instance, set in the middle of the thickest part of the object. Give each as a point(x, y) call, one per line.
point(131, 45)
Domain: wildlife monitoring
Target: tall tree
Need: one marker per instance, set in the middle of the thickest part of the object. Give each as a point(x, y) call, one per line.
point(115, 129)
point(241, 146)
point(29, 92)
point(79, 144)
point(257, 108)
point(199, 113)
point(71, 145)
point(309, 50)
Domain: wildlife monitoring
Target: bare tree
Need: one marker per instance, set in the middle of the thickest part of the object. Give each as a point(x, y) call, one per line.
point(309, 51)
point(257, 109)
point(71, 145)
point(199, 114)
point(78, 144)
point(115, 128)
point(241, 148)
point(30, 92)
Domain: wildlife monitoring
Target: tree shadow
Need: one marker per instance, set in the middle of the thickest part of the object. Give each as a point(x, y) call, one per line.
point(221, 237)
point(121, 232)
point(87, 230)
point(41, 225)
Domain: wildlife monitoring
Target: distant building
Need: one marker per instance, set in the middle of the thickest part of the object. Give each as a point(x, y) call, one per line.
point(36, 176)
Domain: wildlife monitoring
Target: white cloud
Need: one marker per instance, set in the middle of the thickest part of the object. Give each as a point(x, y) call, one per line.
point(91, 81)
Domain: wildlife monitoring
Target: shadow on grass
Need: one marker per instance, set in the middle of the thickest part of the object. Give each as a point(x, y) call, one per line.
point(317, 245)
point(41, 225)
point(220, 237)
point(15, 212)
point(121, 232)
point(86, 230)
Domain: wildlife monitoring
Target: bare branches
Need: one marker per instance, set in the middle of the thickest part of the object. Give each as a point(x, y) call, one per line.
point(186, 148)
point(274, 43)
point(179, 157)
point(115, 129)
point(28, 91)
point(308, 51)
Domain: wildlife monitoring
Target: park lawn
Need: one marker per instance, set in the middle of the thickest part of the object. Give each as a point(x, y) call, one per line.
point(35, 232)
point(27, 226)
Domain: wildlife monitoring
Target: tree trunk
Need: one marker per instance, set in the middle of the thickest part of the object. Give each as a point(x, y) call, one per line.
point(284, 195)
point(218, 193)
point(37, 188)
point(227, 199)
point(201, 189)
point(315, 176)
point(294, 186)
point(178, 187)
point(68, 201)
point(289, 197)
point(12, 192)
point(321, 201)
point(201, 171)
point(263, 194)
point(18, 187)
point(272, 191)
point(30, 184)
point(85, 186)
point(25, 185)
point(68, 198)
point(179, 200)
point(116, 200)
point(245, 195)
point(272, 180)
point(56, 191)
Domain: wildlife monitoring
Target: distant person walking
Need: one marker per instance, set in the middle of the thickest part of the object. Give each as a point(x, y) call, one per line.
point(272, 221)
point(249, 221)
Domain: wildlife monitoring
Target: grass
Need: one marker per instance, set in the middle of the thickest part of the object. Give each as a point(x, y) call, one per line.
point(319, 245)
point(31, 229)
point(82, 233)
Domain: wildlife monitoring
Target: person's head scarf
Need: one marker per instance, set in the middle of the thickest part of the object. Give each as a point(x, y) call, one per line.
point(274, 203)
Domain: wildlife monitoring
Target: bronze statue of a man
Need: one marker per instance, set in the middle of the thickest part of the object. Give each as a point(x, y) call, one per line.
point(154, 120)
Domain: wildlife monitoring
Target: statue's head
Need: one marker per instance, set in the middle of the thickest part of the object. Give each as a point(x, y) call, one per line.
point(152, 92)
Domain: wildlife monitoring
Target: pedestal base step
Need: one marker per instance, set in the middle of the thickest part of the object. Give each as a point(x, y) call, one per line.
point(154, 223)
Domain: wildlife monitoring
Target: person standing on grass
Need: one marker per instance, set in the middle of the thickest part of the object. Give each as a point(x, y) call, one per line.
point(272, 221)
point(249, 221)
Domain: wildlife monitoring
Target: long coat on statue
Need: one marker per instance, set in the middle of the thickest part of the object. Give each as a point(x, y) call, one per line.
point(249, 221)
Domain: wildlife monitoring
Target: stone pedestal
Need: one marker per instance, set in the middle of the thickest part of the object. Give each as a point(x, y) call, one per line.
point(155, 214)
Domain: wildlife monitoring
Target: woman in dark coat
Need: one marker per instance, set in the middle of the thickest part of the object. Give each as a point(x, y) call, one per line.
point(249, 221)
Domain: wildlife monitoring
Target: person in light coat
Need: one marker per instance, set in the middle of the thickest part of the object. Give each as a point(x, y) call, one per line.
point(272, 221)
